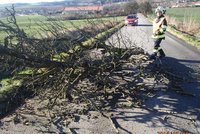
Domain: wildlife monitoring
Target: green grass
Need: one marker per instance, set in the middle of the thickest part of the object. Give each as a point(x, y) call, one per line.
point(31, 24)
point(10, 83)
point(187, 38)
point(185, 13)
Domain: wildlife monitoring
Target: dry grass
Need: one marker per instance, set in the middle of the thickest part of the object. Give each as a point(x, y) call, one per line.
point(188, 25)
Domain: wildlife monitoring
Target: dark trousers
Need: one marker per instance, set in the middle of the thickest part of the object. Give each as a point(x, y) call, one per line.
point(157, 49)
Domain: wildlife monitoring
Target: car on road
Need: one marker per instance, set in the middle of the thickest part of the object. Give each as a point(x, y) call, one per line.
point(131, 19)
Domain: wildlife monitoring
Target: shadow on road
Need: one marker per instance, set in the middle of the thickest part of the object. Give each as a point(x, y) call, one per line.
point(145, 25)
point(174, 106)
point(189, 61)
point(183, 87)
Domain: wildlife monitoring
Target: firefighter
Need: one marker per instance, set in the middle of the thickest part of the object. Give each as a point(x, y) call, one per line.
point(159, 28)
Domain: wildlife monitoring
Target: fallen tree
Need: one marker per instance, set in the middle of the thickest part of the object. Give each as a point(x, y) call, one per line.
point(71, 72)
point(81, 66)
point(55, 65)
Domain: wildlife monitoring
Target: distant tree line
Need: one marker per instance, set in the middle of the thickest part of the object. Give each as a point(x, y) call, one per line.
point(108, 11)
point(128, 8)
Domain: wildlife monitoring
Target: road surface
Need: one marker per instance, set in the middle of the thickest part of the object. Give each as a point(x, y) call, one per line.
point(183, 60)
point(167, 111)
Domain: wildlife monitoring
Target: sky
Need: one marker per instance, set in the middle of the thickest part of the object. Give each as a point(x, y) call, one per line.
point(25, 1)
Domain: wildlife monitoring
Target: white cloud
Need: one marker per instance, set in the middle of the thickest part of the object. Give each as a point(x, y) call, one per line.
point(25, 1)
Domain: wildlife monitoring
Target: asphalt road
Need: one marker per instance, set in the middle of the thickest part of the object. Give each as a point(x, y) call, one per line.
point(182, 60)
point(167, 111)
point(141, 36)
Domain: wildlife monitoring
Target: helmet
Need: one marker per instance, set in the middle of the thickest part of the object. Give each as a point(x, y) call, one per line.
point(161, 9)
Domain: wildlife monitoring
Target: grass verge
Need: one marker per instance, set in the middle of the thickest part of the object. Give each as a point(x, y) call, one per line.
point(194, 41)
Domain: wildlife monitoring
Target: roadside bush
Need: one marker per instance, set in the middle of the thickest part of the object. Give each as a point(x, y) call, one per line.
point(128, 8)
point(114, 10)
point(74, 16)
point(145, 8)
point(131, 8)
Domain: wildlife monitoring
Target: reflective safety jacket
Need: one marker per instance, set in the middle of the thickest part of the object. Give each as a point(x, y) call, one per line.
point(159, 27)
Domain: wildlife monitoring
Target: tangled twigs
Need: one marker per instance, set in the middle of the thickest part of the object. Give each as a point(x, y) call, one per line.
point(72, 67)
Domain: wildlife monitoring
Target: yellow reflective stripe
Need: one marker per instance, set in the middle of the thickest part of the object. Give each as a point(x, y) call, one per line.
point(164, 26)
point(156, 50)
point(158, 36)
point(153, 36)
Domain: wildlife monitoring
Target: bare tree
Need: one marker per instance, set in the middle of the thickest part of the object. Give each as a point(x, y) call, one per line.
point(62, 60)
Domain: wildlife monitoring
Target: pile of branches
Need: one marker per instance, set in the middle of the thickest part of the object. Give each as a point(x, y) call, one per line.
point(62, 78)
